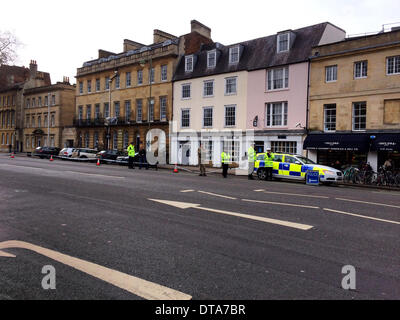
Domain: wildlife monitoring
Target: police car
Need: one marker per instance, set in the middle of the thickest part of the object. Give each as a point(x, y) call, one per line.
point(289, 166)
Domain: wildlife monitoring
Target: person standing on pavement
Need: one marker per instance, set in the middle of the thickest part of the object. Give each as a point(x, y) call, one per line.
point(268, 159)
point(252, 157)
point(131, 155)
point(225, 157)
point(142, 157)
point(201, 156)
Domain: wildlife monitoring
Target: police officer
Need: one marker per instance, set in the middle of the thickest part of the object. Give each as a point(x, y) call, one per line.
point(131, 154)
point(252, 157)
point(268, 159)
point(225, 163)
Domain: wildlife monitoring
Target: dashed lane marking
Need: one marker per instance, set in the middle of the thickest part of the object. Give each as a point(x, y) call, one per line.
point(217, 195)
point(373, 203)
point(362, 216)
point(281, 204)
point(292, 194)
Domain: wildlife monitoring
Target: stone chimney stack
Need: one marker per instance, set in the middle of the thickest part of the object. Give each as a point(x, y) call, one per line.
point(66, 80)
point(200, 28)
point(33, 69)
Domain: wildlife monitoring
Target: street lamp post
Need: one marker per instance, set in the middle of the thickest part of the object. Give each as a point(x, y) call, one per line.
point(109, 109)
point(150, 104)
point(48, 120)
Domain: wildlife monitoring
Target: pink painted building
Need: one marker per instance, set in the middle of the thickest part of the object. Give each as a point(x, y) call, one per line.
point(277, 87)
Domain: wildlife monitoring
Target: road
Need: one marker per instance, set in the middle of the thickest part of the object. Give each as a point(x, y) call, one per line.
point(114, 233)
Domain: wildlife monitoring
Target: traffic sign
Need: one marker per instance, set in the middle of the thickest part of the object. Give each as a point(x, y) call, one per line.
point(312, 177)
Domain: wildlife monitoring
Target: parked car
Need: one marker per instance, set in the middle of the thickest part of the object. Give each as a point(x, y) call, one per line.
point(84, 153)
point(66, 152)
point(124, 159)
point(46, 152)
point(109, 154)
point(291, 166)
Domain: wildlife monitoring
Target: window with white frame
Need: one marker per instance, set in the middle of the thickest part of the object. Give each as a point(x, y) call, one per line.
point(80, 87)
point(276, 114)
point(128, 79)
point(117, 81)
point(231, 145)
point(278, 78)
point(393, 65)
point(150, 112)
point(284, 147)
point(331, 73)
point(186, 90)
point(128, 110)
point(97, 85)
point(230, 85)
point(234, 54)
point(151, 75)
point(283, 42)
point(185, 118)
point(53, 100)
point(106, 110)
point(189, 63)
point(164, 72)
point(230, 115)
point(117, 109)
point(329, 117)
point(207, 117)
point(126, 139)
point(211, 59)
point(359, 116)
point(89, 86)
point(140, 77)
point(208, 147)
point(360, 69)
point(139, 107)
point(88, 112)
point(208, 88)
point(97, 111)
point(107, 83)
point(163, 108)
point(53, 120)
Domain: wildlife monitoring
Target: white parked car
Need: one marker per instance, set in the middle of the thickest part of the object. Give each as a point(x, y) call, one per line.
point(84, 153)
point(66, 152)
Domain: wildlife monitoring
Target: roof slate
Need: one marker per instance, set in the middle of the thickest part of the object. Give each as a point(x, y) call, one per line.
point(257, 54)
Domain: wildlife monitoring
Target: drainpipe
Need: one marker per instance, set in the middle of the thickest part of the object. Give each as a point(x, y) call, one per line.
point(308, 100)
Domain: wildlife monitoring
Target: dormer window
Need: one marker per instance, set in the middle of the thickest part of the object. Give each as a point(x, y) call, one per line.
point(211, 59)
point(283, 42)
point(234, 54)
point(189, 63)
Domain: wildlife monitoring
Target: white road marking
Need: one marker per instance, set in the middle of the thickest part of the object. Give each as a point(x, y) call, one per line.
point(185, 205)
point(281, 204)
point(361, 216)
point(292, 194)
point(142, 288)
point(189, 190)
point(373, 203)
point(96, 174)
point(217, 195)
point(385, 192)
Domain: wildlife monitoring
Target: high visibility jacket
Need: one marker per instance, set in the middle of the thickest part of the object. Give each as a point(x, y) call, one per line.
point(131, 150)
point(225, 157)
point(251, 154)
point(268, 159)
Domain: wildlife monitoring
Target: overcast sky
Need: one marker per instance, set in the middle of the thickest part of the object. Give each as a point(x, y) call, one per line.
point(62, 35)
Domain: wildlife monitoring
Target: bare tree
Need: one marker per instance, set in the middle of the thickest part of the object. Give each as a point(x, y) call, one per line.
point(8, 47)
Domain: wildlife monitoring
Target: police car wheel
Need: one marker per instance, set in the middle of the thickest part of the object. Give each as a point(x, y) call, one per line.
point(261, 174)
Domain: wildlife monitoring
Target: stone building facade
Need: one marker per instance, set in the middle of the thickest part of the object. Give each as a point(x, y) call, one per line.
point(354, 113)
point(121, 97)
point(47, 111)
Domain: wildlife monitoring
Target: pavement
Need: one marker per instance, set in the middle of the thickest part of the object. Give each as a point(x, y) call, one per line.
point(114, 233)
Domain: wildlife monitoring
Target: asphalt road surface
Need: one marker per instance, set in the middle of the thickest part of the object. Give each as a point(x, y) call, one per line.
point(114, 233)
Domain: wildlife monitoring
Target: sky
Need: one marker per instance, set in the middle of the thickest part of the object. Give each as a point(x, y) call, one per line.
point(62, 35)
